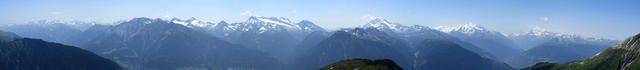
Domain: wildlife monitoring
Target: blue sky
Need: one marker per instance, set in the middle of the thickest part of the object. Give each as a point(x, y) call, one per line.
point(613, 19)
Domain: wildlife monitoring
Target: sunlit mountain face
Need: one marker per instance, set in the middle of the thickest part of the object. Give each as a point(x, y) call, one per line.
point(319, 35)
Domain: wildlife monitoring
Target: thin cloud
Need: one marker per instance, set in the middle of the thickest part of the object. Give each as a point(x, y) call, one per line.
point(544, 19)
point(246, 13)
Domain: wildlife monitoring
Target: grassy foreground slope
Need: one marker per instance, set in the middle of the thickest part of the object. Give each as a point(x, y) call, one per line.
point(363, 64)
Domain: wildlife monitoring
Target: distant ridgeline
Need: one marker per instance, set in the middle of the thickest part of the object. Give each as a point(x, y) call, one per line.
point(18, 53)
point(363, 64)
point(622, 56)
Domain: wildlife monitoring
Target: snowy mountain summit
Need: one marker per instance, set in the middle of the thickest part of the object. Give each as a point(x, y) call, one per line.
point(386, 26)
point(193, 22)
point(543, 33)
point(263, 24)
point(492, 41)
point(272, 21)
point(540, 35)
point(254, 24)
point(380, 23)
point(469, 28)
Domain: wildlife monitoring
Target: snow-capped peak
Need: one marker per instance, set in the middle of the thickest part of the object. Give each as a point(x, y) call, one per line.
point(73, 22)
point(469, 28)
point(541, 35)
point(261, 25)
point(540, 32)
point(275, 20)
point(384, 25)
point(253, 25)
point(192, 22)
point(182, 22)
point(381, 23)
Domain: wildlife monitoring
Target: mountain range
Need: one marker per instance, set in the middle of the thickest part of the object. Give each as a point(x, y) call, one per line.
point(413, 35)
point(277, 43)
point(275, 35)
point(144, 43)
point(382, 39)
point(493, 42)
point(554, 47)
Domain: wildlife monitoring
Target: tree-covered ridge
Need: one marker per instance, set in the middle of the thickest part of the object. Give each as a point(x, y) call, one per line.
point(622, 56)
point(543, 66)
point(35, 54)
point(7, 36)
point(363, 64)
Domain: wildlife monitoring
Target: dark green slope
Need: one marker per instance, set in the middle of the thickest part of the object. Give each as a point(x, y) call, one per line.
point(543, 66)
point(435, 54)
point(363, 64)
point(35, 54)
point(7, 36)
point(622, 56)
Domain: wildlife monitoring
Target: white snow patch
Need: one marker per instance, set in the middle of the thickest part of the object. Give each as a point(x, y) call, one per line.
point(272, 21)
